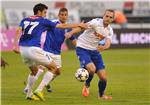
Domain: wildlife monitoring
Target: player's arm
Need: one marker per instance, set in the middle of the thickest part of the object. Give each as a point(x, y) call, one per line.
point(73, 31)
point(16, 39)
point(49, 23)
point(107, 41)
point(79, 29)
point(99, 35)
point(74, 42)
point(105, 46)
point(82, 25)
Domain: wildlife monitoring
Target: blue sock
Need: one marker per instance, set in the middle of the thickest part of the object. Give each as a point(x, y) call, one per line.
point(87, 82)
point(101, 86)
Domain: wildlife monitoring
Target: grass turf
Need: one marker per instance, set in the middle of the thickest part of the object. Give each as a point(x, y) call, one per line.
point(128, 80)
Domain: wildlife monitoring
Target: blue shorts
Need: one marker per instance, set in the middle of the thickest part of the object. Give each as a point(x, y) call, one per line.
point(90, 56)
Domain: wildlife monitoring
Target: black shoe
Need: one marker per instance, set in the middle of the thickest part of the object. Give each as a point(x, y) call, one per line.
point(48, 88)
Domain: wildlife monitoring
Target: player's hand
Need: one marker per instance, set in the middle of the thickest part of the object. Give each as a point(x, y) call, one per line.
point(68, 35)
point(101, 48)
point(3, 63)
point(16, 50)
point(83, 25)
point(99, 35)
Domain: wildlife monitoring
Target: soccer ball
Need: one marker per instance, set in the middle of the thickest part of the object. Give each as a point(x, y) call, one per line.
point(81, 74)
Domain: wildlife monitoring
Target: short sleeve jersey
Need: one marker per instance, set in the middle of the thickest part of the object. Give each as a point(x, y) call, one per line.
point(89, 40)
point(55, 38)
point(32, 28)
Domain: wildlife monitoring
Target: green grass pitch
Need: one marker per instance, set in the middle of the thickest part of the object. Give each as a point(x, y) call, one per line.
point(128, 80)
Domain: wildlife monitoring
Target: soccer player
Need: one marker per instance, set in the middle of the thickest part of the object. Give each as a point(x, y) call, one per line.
point(31, 29)
point(87, 50)
point(55, 38)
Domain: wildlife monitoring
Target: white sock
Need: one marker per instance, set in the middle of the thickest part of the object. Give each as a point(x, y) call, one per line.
point(46, 79)
point(30, 78)
point(40, 71)
point(30, 84)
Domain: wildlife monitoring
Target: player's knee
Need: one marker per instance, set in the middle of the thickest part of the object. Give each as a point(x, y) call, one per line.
point(34, 70)
point(92, 69)
point(103, 78)
point(58, 71)
point(52, 66)
point(102, 75)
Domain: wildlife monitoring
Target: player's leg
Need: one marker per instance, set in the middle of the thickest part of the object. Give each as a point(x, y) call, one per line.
point(48, 77)
point(88, 81)
point(31, 80)
point(26, 55)
point(57, 60)
point(48, 86)
point(86, 62)
point(102, 84)
point(101, 72)
point(39, 72)
point(37, 56)
point(85, 90)
point(41, 69)
point(45, 60)
point(85, 59)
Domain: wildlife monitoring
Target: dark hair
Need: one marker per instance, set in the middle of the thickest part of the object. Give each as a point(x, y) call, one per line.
point(39, 7)
point(63, 10)
point(110, 10)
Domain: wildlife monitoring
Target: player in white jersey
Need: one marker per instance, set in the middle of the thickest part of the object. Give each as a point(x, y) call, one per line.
point(88, 47)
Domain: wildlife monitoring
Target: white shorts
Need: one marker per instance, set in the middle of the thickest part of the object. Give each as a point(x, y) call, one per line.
point(56, 59)
point(35, 56)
